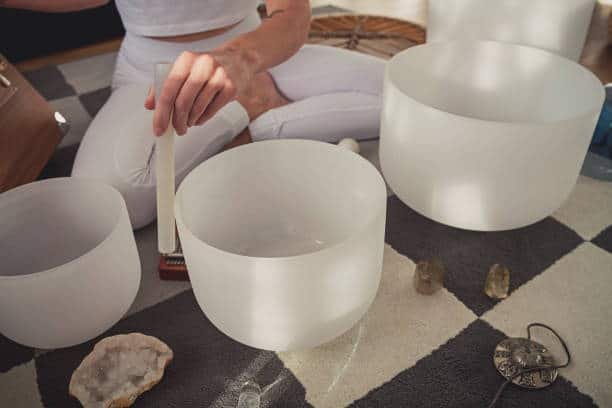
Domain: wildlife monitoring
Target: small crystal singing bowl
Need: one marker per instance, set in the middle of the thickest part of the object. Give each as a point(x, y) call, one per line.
point(559, 26)
point(283, 241)
point(485, 135)
point(70, 267)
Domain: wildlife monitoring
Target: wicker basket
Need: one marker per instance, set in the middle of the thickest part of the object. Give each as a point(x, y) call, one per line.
point(373, 35)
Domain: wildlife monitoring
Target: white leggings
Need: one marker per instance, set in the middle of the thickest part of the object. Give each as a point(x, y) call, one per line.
point(336, 94)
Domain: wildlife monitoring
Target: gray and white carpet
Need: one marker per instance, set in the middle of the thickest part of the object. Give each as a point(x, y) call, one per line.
point(408, 351)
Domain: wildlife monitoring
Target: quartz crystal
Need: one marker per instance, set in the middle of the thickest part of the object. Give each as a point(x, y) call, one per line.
point(498, 282)
point(429, 276)
point(250, 395)
point(118, 370)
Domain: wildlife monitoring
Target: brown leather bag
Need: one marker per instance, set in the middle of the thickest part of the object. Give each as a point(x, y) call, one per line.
point(29, 132)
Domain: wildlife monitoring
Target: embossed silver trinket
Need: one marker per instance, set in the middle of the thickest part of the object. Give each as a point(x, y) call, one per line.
point(527, 363)
point(516, 354)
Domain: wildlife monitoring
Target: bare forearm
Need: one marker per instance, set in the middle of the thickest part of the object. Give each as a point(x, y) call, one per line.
point(278, 38)
point(53, 6)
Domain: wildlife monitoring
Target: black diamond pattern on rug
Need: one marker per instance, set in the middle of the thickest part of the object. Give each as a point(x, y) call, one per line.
point(60, 164)
point(208, 367)
point(94, 100)
point(460, 374)
point(468, 255)
point(50, 82)
point(604, 239)
point(13, 354)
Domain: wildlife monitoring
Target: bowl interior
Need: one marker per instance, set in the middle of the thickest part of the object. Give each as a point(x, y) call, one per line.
point(280, 198)
point(496, 82)
point(50, 223)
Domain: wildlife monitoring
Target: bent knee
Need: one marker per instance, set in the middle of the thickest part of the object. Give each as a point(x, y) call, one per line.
point(117, 149)
point(139, 198)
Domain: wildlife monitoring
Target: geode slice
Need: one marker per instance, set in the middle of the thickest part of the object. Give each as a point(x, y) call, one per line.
point(119, 369)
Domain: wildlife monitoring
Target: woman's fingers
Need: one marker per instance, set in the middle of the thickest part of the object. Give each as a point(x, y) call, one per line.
point(206, 96)
point(182, 105)
point(220, 100)
point(201, 72)
point(150, 100)
point(196, 88)
point(164, 103)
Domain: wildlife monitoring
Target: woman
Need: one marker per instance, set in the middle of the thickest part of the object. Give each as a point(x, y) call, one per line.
point(233, 76)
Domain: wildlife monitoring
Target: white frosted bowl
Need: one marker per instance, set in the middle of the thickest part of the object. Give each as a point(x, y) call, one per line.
point(70, 268)
point(559, 26)
point(485, 135)
point(283, 241)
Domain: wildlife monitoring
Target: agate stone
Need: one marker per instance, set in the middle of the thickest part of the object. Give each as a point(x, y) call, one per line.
point(118, 370)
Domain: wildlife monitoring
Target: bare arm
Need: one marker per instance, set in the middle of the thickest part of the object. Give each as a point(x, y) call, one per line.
point(279, 36)
point(53, 6)
point(200, 84)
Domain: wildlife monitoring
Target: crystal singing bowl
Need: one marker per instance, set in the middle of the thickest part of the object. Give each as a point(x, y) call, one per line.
point(283, 241)
point(559, 26)
point(70, 267)
point(485, 135)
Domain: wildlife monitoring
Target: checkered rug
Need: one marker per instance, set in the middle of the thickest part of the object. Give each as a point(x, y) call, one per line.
point(409, 350)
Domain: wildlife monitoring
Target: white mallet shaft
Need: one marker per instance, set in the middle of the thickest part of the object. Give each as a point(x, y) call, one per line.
point(164, 171)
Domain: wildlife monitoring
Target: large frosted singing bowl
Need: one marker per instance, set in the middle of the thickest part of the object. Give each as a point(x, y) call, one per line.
point(559, 26)
point(70, 267)
point(283, 241)
point(484, 135)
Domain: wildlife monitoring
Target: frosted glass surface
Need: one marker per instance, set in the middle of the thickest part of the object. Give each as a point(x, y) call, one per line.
point(70, 267)
point(283, 240)
point(559, 26)
point(485, 135)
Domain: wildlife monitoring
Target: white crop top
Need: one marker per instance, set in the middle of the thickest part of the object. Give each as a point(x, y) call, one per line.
point(160, 18)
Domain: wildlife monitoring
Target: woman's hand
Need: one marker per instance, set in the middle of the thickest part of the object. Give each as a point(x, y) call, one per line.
point(199, 84)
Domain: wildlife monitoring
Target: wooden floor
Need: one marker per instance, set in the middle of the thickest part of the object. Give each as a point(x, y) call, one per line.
point(597, 54)
point(71, 55)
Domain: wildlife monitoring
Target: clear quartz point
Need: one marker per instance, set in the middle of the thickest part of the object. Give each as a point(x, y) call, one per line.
point(497, 284)
point(429, 276)
point(250, 395)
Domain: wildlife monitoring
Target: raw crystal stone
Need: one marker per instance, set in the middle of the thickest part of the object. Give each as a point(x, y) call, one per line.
point(429, 276)
point(250, 395)
point(498, 282)
point(118, 370)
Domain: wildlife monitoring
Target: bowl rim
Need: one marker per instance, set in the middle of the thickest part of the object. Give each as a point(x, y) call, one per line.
point(389, 81)
point(35, 187)
point(371, 218)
